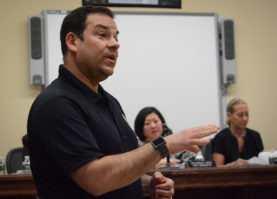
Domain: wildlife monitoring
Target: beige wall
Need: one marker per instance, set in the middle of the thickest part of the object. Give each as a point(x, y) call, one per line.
point(256, 48)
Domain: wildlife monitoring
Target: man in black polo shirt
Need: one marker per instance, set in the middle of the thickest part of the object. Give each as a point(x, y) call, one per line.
point(80, 144)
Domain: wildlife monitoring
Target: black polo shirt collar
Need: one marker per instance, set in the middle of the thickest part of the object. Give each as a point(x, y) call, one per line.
point(67, 76)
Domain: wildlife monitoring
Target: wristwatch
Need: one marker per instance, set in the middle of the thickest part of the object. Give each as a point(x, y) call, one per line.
point(160, 144)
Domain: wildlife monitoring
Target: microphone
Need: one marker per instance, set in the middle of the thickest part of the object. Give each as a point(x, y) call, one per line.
point(167, 131)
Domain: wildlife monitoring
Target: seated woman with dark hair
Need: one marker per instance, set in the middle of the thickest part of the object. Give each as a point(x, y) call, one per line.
point(233, 146)
point(149, 125)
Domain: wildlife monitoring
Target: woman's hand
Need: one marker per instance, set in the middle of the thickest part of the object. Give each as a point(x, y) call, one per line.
point(163, 162)
point(241, 162)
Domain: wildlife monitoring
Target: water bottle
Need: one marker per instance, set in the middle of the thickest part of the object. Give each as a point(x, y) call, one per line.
point(272, 157)
point(2, 166)
point(26, 163)
point(199, 157)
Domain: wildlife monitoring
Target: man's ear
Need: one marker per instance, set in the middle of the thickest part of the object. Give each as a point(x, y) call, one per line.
point(228, 115)
point(70, 40)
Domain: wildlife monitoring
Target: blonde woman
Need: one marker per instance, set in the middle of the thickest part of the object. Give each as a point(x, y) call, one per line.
point(234, 145)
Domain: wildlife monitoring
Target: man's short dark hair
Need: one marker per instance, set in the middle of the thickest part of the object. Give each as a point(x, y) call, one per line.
point(75, 22)
point(140, 119)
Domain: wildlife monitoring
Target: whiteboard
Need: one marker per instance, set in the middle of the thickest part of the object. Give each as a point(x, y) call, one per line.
point(167, 60)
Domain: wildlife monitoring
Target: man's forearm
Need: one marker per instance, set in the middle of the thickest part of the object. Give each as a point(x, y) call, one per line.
point(116, 171)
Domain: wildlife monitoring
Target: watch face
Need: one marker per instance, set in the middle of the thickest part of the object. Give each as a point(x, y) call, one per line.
point(158, 142)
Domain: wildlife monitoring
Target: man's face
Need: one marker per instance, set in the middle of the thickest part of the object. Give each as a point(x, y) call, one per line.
point(97, 53)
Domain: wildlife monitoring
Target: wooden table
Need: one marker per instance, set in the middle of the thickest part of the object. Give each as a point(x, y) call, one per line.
point(17, 186)
point(253, 182)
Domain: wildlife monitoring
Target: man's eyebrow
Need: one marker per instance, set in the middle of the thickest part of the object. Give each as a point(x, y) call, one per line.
point(105, 27)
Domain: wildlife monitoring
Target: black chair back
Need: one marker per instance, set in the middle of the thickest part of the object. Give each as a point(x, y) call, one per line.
point(14, 160)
